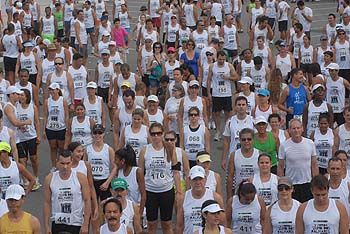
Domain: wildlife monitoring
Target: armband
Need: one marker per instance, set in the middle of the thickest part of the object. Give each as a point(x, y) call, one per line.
point(176, 167)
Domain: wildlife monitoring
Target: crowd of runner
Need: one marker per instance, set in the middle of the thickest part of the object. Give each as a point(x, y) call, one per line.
point(278, 108)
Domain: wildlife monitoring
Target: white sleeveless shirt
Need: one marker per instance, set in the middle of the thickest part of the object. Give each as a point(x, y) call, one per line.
point(133, 186)
point(245, 168)
point(81, 131)
point(94, 110)
point(9, 176)
point(284, 221)
point(99, 161)
point(136, 140)
point(26, 132)
point(56, 118)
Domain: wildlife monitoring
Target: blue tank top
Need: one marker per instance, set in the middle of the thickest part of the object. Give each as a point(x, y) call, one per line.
point(192, 63)
point(296, 99)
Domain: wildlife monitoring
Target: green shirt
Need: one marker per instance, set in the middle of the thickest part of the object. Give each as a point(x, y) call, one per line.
point(59, 19)
point(268, 147)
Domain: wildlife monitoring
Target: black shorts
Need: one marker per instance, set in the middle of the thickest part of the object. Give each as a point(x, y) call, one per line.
point(271, 22)
point(282, 25)
point(306, 67)
point(145, 80)
point(222, 103)
point(55, 135)
point(302, 192)
point(103, 92)
point(103, 195)
point(32, 78)
point(205, 91)
point(10, 64)
point(63, 228)
point(218, 23)
point(231, 53)
point(163, 201)
point(27, 148)
point(171, 44)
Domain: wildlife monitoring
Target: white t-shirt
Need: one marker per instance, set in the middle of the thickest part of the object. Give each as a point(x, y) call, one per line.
point(308, 12)
point(283, 10)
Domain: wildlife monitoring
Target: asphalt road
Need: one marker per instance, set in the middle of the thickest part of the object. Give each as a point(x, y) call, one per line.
point(34, 203)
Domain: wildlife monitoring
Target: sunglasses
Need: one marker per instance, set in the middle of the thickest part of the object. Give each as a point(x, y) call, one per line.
point(58, 63)
point(169, 139)
point(282, 187)
point(157, 47)
point(193, 114)
point(156, 133)
point(98, 132)
point(209, 54)
point(246, 139)
point(194, 87)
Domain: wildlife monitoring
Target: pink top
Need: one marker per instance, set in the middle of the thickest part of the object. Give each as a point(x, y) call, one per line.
point(118, 35)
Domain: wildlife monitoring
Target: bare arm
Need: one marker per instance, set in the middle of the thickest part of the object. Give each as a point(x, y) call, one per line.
point(85, 190)
point(47, 204)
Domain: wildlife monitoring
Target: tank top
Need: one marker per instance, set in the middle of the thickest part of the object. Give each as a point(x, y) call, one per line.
point(99, 161)
point(118, 6)
point(268, 147)
point(189, 15)
point(72, 28)
point(23, 226)
point(55, 119)
point(214, 31)
point(306, 54)
point(26, 132)
point(235, 126)
point(34, 10)
point(336, 94)
point(131, 80)
point(7, 122)
point(254, 14)
point(216, 10)
point(315, 221)
point(136, 140)
point(230, 40)
point(330, 31)
point(200, 39)
point(128, 215)
point(246, 67)
point(99, 8)
point(63, 82)
point(270, 9)
point(81, 167)
point(341, 194)
point(296, 99)
point(79, 77)
point(8, 176)
point(169, 69)
point(245, 168)
point(320, 55)
point(266, 190)
point(66, 200)
point(133, 186)
point(192, 210)
point(59, 19)
point(263, 54)
point(125, 118)
point(68, 12)
point(259, 77)
point(159, 176)
point(324, 145)
point(124, 20)
point(18, 28)
point(28, 62)
point(184, 34)
point(211, 181)
point(259, 112)
point(221, 229)
point(251, 101)
point(3, 87)
point(48, 67)
point(157, 118)
point(313, 114)
point(27, 19)
point(152, 35)
point(48, 25)
point(81, 131)
point(281, 136)
point(284, 221)
point(297, 42)
point(94, 110)
point(221, 87)
point(4, 135)
point(121, 230)
point(284, 64)
point(344, 137)
point(187, 104)
point(246, 219)
point(194, 141)
point(172, 32)
point(10, 45)
point(260, 32)
point(145, 55)
point(88, 18)
point(104, 75)
point(29, 87)
point(342, 54)
point(83, 33)
point(227, 4)
point(61, 54)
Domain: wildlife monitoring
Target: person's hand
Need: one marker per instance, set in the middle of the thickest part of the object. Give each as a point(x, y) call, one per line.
point(81, 45)
point(28, 122)
point(38, 140)
point(104, 186)
point(223, 164)
point(43, 136)
point(95, 214)
point(290, 110)
point(84, 229)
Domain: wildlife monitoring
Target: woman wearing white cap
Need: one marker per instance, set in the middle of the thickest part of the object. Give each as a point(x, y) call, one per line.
point(154, 113)
point(94, 104)
point(55, 120)
point(247, 91)
point(30, 61)
point(102, 44)
point(211, 219)
point(281, 215)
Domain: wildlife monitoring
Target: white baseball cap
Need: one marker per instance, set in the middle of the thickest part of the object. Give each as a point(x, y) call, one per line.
point(193, 83)
point(152, 98)
point(212, 208)
point(333, 66)
point(13, 89)
point(197, 171)
point(246, 80)
point(260, 119)
point(316, 86)
point(55, 85)
point(91, 84)
point(15, 191)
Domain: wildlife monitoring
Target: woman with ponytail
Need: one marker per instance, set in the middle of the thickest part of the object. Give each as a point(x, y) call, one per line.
point(125, 159)
point(211, 219)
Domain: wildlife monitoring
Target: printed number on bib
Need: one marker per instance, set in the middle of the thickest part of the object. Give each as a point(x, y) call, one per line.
point(62, 218)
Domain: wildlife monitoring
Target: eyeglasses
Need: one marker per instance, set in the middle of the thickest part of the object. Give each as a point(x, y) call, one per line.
point(282, 187)
point(193, 114)
point(156, 133)
point(169, 139)
point(98, 132)
point(246, 139)
point(58, 64)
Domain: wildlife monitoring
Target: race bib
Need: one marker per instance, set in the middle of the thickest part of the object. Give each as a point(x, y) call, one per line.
point(63, 218)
